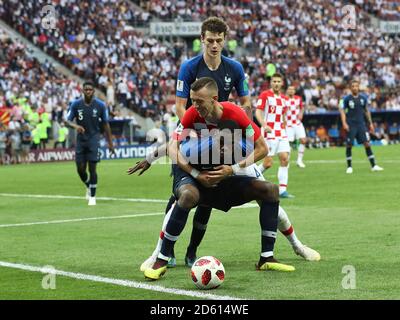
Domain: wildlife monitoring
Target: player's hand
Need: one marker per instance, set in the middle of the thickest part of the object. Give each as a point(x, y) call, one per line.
point(220, 173)
point(204, 179)
point(112, 150)
point(371, 128)
point(80, 129)
point(143, 165)
point(267, 128)
point(346, 126)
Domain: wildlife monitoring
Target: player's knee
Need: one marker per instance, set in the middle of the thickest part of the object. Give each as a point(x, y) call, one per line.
point(284, 159)
point(267, 191)
point(188, 197)
point(303, 141)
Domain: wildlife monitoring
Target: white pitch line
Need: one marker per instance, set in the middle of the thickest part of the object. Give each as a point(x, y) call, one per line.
point(79, 220)
point(118, 282)
point(247, 205)
point(58, 196)
point(344, 161)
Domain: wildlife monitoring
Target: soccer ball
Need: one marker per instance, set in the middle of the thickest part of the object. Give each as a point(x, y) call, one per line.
point(208, 273)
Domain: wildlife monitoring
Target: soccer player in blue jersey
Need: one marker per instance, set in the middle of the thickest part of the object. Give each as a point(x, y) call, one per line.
point(228, 74)
point(90, 114)
point(353, 112)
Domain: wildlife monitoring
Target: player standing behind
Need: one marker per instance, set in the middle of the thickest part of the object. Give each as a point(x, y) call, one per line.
point(228, 74)
point(295, 129)
point(270, 113)
point(90, 113)
point(353, 108)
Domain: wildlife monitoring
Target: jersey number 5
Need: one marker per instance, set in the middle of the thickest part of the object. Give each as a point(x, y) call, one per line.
point(80, 114)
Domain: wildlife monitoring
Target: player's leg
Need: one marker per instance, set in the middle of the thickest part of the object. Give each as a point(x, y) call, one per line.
point(283, 171)
point(363, 137)
point(200, 221)
point(301, 135)
point(81, 165)
point(349, 145)
point(268, 195)
point(150, 260)
point(188, 195)
point(93, 157)
point(287, 229)
point(92, 182)
point(148, 263)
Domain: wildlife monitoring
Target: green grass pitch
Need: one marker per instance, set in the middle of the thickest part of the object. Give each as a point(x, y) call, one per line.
point(352, 220)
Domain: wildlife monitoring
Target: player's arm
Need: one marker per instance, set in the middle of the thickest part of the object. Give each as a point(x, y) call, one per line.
point(242, 89)
point(369, 118)
point(180, 104)
point(145, 164)
point(343, 115)
point(70, 118)
point(245, 102)
point(301, 113)
point(185, 79)
point(177, 157)
point(107, 129)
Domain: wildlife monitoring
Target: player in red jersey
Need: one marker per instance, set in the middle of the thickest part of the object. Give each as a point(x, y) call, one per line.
point(270, 113)
point(218, 188)
point(294, 126)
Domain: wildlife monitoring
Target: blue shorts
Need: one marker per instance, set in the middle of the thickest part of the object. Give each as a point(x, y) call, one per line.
point(359, 132)
point(87, 150)
point(227, 194)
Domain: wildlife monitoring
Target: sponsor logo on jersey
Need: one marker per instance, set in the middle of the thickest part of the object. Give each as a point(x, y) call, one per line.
point(94, 112)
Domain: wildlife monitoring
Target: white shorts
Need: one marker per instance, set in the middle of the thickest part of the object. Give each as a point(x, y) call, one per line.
point(296, 132)
point(277, 146)
point(251, 171)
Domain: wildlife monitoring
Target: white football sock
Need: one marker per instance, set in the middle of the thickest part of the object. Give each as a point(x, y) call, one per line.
point(300, 153)
point(161, 237)
point(283, 176)
point(286, 228)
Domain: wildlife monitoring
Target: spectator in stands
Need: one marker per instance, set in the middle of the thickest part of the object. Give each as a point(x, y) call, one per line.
point(380, 132)
point(323, 138)
point(334, 135)
point(26, 143)
point(61, 136)
point(394, 132)
point(14, 141)
point(3, 143)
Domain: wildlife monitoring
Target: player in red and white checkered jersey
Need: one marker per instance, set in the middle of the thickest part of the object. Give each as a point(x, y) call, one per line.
point(295, 129)
point(270, 113)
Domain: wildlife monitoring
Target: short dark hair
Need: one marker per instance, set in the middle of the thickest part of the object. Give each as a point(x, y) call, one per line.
point(277, 75)
point(215, 25)
point(88, 83)
point(206, 82)
point(354, 80)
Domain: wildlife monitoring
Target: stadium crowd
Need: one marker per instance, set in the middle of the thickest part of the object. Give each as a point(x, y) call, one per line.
point(97, 40)
point(302, 40)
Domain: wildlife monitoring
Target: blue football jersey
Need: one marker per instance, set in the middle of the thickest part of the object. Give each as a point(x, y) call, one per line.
point(230, 74)
point(91, 116)
point(355, 107)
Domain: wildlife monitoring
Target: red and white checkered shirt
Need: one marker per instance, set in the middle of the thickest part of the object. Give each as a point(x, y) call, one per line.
point(274, 107)
point(295, 105)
